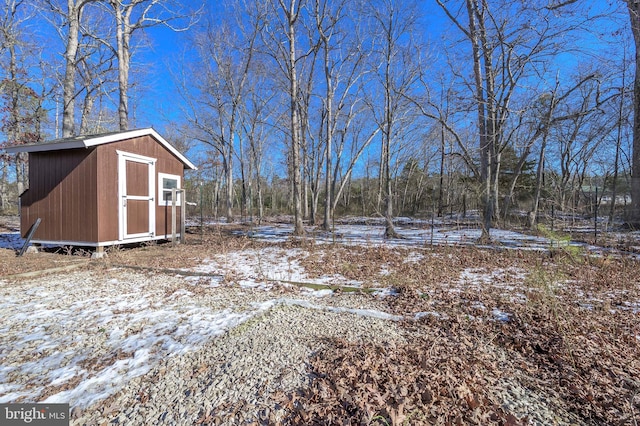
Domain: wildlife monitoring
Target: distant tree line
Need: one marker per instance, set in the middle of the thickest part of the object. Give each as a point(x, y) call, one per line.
point(318, 108)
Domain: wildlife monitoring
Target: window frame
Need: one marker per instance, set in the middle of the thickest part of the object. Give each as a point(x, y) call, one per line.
point(162, 190)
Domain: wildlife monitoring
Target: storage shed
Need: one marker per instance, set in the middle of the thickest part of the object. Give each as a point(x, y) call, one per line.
point(102, 190)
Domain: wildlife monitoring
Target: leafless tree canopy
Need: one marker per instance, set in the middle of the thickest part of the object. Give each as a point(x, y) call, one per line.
point(319, 108)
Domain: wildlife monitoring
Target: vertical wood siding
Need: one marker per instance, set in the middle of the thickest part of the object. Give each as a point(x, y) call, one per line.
point(108, 182)
point(137, 178)
point(62, 193)
point(137, 217)
point(75, 191)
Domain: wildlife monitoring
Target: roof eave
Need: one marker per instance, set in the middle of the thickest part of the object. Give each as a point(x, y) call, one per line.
point(100, 140)
point(45, 147)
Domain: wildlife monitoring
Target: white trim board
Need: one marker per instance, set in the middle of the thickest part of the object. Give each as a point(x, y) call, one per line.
point(103, 243)
point(123, 197)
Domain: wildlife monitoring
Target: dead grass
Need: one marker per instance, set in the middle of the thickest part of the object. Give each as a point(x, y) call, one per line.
point(152, 255)
point(10, 264)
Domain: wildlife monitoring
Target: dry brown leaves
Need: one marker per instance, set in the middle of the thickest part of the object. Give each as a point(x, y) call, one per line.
point(438, 378)
point(574, 339)
point(384, 266)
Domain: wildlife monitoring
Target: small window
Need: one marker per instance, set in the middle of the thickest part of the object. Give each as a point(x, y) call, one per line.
point(166, 184)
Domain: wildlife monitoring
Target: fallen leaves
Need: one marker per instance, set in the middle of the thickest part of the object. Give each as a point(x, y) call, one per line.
point(569, 343)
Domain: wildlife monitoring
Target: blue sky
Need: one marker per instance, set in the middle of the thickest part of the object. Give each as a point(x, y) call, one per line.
point(162, 102)
point(166, 48)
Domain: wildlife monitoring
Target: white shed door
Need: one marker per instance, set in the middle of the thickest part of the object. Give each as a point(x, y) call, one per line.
point(137, 186)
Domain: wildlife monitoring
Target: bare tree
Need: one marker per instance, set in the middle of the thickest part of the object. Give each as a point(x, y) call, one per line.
point(222, 77)
point(394, 23)
point(256, 117)
point(578, 136)
point(633, 7)
point(73, 15)
point(20, 102)
point(355, 135)
point(89, 59)
point(510, 41)
point(68, 20)
point(282, 46)
point(96, 68)
point(618, 137)
point(343, 61)
point(131, 16)
point(10, 88)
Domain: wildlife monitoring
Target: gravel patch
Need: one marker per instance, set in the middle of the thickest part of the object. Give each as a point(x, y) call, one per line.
point(236, 378)
point(124, 347)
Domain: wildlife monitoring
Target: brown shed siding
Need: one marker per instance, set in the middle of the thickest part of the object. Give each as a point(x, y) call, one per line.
point(75, 192)
point(108, 182)
point(137, 178)
point(56, 176)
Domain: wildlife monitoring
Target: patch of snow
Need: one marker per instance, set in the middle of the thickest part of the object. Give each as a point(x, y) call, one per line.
point(384, 270)
point(317, 293)
point(633, 306)
point(11, 241)
point(256, 268)
point(413, 257)
point(371, 313)
point(413, 233)
point(479, 306)
point(125, 336)
point(519, 298)
point(420, 315)
point(385, 292)
point(254, 284)
point(503, 278)
point(499, 315)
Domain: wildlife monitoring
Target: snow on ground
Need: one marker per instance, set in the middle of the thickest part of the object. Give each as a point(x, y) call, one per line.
point(261, 267)
point(413, 234)
point(11, 241)
point(81, 339)
point(451, 230)
point(505, 278)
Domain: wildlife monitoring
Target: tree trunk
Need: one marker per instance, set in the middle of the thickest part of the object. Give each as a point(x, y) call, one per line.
point(87, 107)
point(441, 178)
point(634, 16)
point(260, 203)
point(4, 195)
point(485, 149)
point(326, 224)
point(533, 221)
point(491, 120)
point(69, 83)
point(123, 37)
point(614, 187)
point(292, 15)
point(228, 172)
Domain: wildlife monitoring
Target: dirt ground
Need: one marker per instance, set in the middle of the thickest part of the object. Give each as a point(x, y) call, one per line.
point(149, 255)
